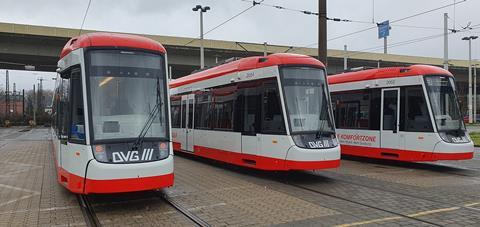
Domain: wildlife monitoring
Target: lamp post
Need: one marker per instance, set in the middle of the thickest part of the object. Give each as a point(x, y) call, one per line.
point(470, 106)
point(475, 93)
point(202, 10)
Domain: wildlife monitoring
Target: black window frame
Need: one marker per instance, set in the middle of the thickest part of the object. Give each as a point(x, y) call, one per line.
point(89, 95)
point(74, 69)
point(374, 104)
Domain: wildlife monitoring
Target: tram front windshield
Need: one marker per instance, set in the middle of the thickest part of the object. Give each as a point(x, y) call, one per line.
point(127, 87)
point(442, 94)
point(307, 102)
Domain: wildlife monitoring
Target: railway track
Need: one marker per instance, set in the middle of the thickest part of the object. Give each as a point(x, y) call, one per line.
point(87, 211)
point(360, 203)
point(396, 192)
point(192, 217)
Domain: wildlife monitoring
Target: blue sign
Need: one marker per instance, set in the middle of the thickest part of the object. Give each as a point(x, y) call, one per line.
point(383, 29)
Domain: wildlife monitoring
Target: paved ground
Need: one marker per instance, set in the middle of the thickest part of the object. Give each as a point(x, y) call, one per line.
point(361, 192)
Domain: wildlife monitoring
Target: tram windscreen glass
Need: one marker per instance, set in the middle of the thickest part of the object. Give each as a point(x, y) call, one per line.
point(445, 107)
point(125, 87)
point(306, 97)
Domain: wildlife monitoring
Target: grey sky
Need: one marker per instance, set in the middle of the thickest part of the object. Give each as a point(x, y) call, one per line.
point(260, 24)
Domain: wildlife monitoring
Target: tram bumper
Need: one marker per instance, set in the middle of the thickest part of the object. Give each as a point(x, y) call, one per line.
point(312, 159)
point(116, 178)
point(453, 151)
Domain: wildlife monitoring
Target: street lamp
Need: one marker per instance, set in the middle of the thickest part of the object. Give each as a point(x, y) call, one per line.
point(202, 10)
point(470, 107)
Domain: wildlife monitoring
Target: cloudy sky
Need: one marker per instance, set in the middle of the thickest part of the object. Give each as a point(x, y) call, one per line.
point(262, 23)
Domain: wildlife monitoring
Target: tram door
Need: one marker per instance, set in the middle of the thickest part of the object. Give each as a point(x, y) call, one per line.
point(187, 122)
point(390, 118)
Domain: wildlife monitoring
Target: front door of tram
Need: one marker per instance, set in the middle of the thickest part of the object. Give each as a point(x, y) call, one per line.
point(389, 128)
point(188, 118)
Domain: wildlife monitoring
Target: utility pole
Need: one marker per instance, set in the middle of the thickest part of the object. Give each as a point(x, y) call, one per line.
point(14, 98)
point(475, 93)
point(34, 106)
point(322, 31)
point(470, 106)
point(264, 49)
point(7, 95)
point(345, 58)
point(202, 10)
point(40, 96)
point(23, 104)
point(385, 44)
point(445, 41)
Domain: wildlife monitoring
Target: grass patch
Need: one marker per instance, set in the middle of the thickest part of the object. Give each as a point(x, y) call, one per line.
point(475, 137)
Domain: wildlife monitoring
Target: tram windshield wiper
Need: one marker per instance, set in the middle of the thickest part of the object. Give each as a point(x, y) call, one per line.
point(321, 130)
point(151, 117)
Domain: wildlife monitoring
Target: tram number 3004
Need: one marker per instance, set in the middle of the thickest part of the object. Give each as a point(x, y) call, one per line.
point(132, 156)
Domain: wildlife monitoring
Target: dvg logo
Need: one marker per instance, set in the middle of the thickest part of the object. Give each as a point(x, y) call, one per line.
point(318, 144)
point(132, 156)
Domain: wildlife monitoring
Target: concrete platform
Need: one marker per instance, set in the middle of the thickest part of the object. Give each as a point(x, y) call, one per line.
point(29, 193)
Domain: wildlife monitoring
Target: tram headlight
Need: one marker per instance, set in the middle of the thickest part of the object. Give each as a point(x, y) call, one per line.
point(163, 150)
point(100, 153)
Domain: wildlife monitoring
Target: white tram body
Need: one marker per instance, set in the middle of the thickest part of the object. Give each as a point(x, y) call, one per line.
point(269, 113)
point(401, 113)
point(106, 89)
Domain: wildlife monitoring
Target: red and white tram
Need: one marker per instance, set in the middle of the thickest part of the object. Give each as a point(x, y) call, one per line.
point(111, 115)
point(402, 113)
point(270, 113)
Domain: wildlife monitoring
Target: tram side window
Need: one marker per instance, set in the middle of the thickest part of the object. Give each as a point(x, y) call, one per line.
point(414, 116)
point(63, 110)
point(203, 104)
point(183, 113)
point(272, 116)
point(77, 126)
point(224, 101)
point(390, 110)
point(356, 109)
point(375, 105)
point(175, 114)
point(249, 107)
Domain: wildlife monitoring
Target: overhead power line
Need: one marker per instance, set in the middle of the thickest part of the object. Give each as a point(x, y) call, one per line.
point(84, 16)
point(226, 21)
point(398, 20)
point(405, 42)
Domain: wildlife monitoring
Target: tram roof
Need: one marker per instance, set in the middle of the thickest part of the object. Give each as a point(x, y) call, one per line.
point(383, 73)
point(247, 64)
point(106, 39)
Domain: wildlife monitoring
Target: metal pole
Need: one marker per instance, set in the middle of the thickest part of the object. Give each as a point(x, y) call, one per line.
point(202, 60)
point(445, 41)
point(34, 105)
point(23, 104)
point(322, 31)
point(470, 107)
point(475, 93)
point(385, 45)
point(265, 49)
point(345, 58)
point(7, 95)
point(170, 76)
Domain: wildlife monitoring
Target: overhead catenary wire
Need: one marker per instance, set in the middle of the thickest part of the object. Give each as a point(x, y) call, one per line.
point(405, 42)
point(394, 21)
point(226, 21)
point(84, 17)
point(397, 20)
